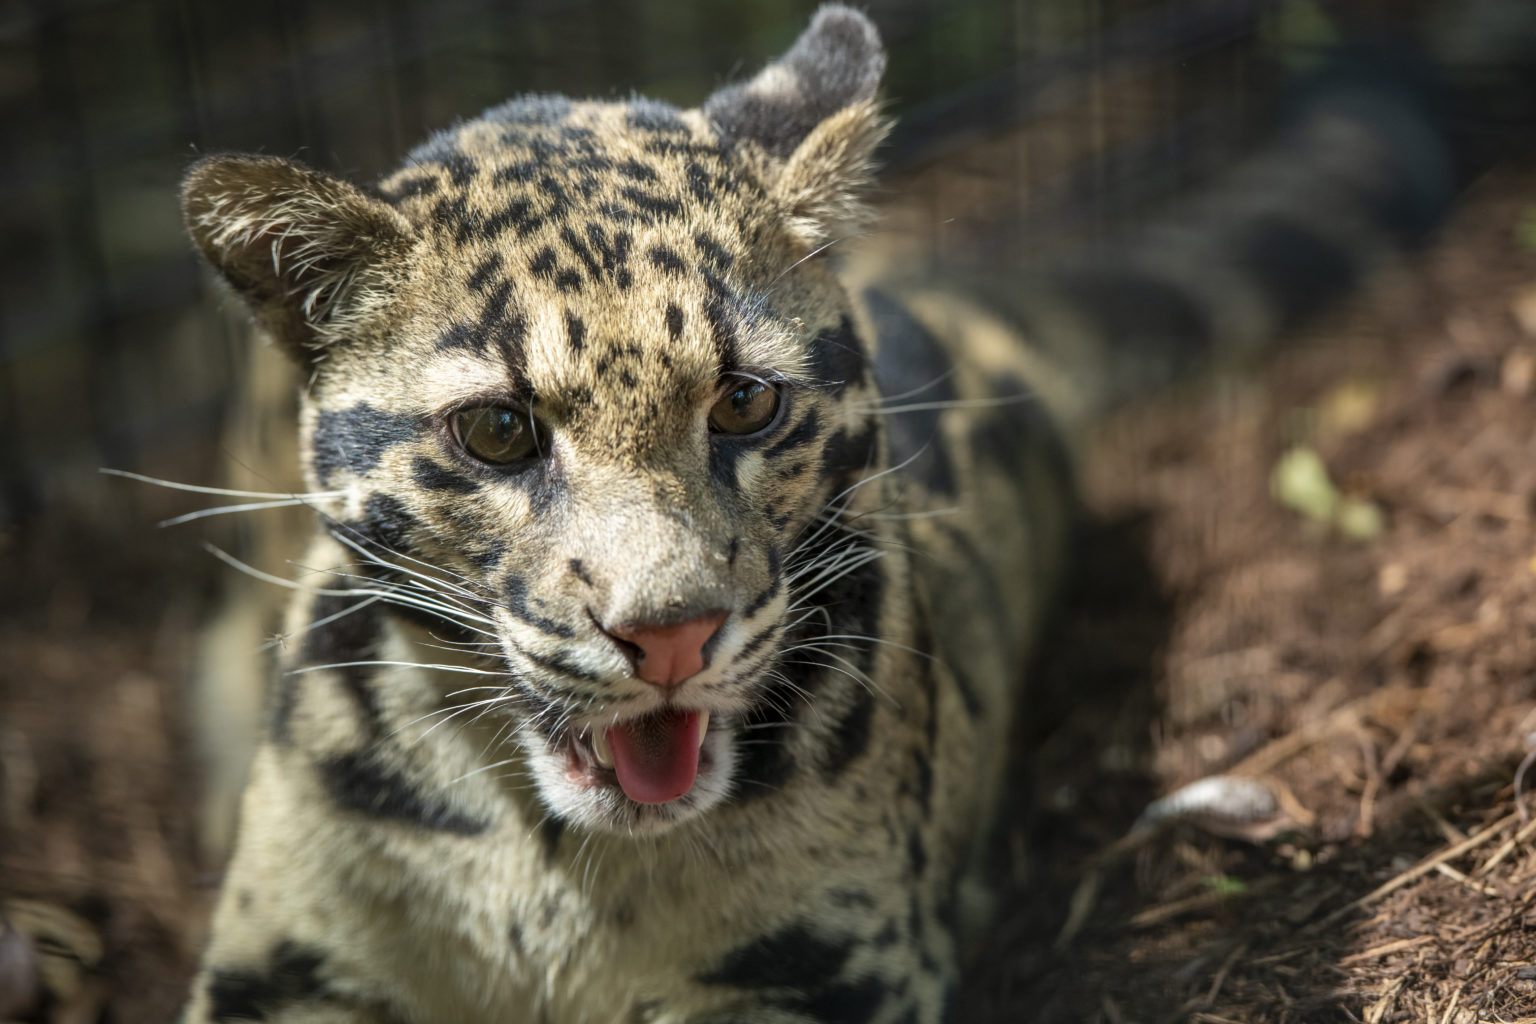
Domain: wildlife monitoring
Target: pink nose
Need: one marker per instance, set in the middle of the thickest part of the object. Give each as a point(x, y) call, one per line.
point(670, 654)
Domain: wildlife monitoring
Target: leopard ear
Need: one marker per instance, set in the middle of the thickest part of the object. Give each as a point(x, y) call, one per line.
point(312, 256)
point(813, 114)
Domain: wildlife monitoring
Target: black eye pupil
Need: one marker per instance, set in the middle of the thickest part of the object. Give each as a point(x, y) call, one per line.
point(502, 424)
point(743, 398)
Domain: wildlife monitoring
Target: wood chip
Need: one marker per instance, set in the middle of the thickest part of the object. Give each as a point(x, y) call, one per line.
point(1385, 948)
point(1508, 848)
point(1417, 871)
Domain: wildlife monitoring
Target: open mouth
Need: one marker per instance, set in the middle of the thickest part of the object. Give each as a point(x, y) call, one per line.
point(654, 759)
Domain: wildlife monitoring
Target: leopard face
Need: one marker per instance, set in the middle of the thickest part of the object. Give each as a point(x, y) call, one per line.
point(592, 404)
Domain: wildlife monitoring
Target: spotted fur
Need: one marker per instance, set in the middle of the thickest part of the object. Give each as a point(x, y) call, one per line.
point(415, 845)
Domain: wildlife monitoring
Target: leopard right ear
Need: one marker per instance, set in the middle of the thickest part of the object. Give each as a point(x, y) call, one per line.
point(313, 257)
point(813, 115)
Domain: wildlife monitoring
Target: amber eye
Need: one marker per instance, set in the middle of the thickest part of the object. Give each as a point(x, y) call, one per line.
point(495, 434)
point(748, 406)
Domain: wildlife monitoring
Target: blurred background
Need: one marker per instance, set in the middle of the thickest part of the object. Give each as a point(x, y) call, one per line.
point(1045, 122)
point(104, 102)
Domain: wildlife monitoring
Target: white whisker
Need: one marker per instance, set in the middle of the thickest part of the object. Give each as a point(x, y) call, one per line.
point(225, 491)
point(395, 594)
point(875, 640)
point(450, 711)
point(398, 554)
point(471, 689)
point(834, 572)
point(349, 610)
point(375, 559)
point(224, 510)
point(395, 664)
point(896, 517)
point(940, 379)
point(958, 403)
point(374, 589)
point(808, 256)
point(250, 570)
point(482, 768)
point(848, 491)
point(481, 707)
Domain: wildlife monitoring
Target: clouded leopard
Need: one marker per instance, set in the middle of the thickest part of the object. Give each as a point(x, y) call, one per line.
point(656, 656)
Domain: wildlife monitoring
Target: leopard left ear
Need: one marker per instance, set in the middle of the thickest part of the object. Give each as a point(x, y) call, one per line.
point(313, 257)
point(812, 113)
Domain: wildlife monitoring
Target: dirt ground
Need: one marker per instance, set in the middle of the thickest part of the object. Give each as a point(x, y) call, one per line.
point(1383, 689)
point(1378, 691)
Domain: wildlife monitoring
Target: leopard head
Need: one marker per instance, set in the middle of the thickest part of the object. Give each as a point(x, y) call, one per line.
point(594, 403)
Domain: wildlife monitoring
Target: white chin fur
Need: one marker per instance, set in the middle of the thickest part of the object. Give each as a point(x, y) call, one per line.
point(605, 808)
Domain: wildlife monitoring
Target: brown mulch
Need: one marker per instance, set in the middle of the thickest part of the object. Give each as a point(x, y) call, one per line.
point(1383, 688)
point(97, 793)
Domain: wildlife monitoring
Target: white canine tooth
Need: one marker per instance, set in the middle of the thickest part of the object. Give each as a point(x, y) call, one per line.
point(601, 751)
point(703, 725)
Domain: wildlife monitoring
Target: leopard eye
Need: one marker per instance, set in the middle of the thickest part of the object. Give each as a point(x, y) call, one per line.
point(495, 434)
point(748, 406)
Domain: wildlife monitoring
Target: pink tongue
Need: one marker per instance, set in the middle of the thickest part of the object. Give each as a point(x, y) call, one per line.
point(656, 757)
